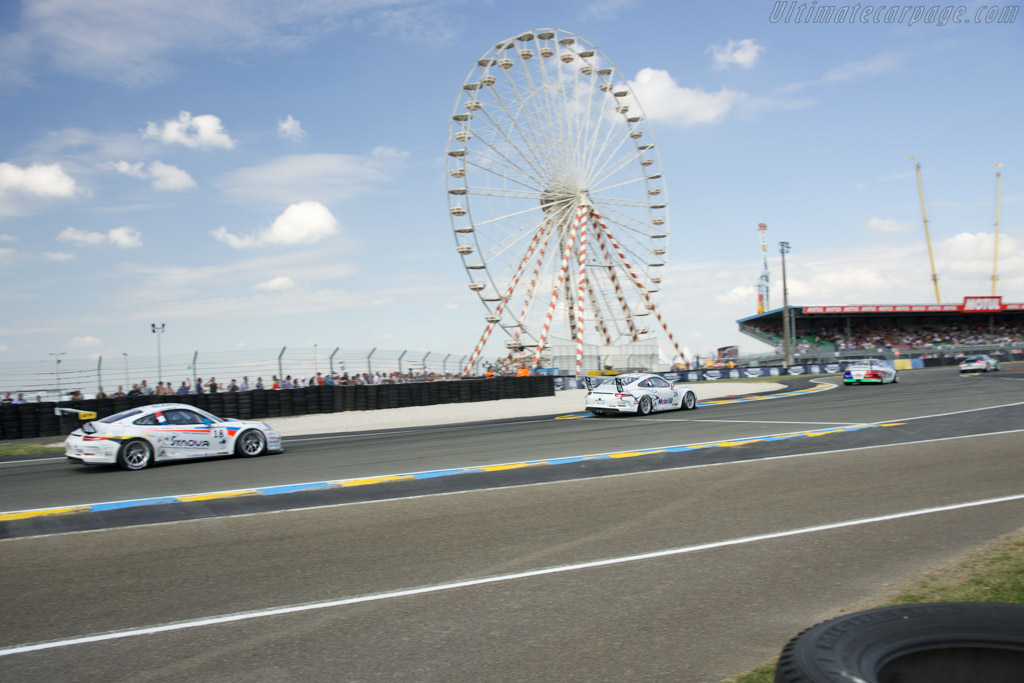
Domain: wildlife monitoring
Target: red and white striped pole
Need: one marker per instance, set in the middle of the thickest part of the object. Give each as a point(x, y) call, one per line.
point(639, 285)
point(580, 212)
point(501, 305)
point(615, 282)
point(581, 283)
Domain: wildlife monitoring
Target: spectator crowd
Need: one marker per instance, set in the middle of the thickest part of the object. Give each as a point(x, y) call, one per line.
point(213, 386)
point(864, 337)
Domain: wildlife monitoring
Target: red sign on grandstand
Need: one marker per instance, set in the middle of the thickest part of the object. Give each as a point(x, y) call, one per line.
point(982, 304)
point(971, 304)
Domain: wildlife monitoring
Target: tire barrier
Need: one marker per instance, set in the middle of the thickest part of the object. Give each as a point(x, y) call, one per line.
point(33, 420)
point(948, 642)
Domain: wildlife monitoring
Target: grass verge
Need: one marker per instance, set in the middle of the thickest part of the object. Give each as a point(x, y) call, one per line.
point(28, 449)
point(991, 573)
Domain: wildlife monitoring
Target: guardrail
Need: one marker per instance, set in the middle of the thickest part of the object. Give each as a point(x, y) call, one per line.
point(33, 420)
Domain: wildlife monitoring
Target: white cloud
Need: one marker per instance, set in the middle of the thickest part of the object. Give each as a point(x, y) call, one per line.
point(134, 170)
point(136, 42)
point(77, 236)
point(327, 177)
point(85, 341)
point(164, 176)
point(8, 238)
point(167, 177)
point(6, 253)
point(275, 284)
point(850, 71)
point(742, 53)
point(291, 129)
point(888, 225)
point(873, 66)
point(664, 99)
point(58, 256)
point(196, 132)
point(40, 180)
point(124, 237)
point(302, 223)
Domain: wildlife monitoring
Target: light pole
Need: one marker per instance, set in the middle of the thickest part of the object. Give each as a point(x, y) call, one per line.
point(158, 331)
point(57, 371)
point(126, 384)
point(784, 249)
point(316, 365)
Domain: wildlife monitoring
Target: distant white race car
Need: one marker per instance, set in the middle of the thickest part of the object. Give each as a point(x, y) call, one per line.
point(136, 438)
point(870, 371)
point(636, 393)
point(979, 364)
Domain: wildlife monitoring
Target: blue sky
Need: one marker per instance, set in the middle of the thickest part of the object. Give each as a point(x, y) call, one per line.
point(262, 174)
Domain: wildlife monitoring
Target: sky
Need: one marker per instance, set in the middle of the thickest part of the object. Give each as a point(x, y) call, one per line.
point(256, 174)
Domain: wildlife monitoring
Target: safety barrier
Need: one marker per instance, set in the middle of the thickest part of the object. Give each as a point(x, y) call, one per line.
point(32, 420)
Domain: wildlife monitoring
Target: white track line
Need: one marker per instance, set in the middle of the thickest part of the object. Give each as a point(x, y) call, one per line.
point(292, 609)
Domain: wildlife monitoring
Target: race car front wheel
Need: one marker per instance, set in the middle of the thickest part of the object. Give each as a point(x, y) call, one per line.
point(689, 401)
point(251, 444)
point(135, 455)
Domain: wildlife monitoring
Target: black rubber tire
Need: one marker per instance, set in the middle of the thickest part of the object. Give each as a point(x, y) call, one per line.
point(896, 378)
point(251, 444)
point(134, 455)
point(689, 401)
point(926, 643)
point(644, 408)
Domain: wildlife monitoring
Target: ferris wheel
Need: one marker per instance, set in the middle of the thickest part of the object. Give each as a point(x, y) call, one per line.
point(556, 196)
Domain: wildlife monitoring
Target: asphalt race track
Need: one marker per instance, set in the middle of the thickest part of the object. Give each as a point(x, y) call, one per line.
point(685, 546)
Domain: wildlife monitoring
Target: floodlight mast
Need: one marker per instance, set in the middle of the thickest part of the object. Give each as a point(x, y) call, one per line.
point(787, 358)
point(927, 237)
point(995, 257)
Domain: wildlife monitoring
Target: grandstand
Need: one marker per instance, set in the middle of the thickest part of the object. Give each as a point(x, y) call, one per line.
point(980, 324)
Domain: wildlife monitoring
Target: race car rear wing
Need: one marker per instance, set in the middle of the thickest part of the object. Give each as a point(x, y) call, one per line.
point(82, 415)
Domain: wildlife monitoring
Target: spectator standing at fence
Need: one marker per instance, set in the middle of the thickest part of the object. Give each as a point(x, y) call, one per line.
point(145, 389)
point(232, 386)
point(276, 383)
point(287, 383)
point(244, 386)
point(7, 400)
point(135, 391)
point(199, 385)
point(20, 400)
point(120, 391)
point(259, 382)
point(100, 394)
point(183, 389)
point(212, 385)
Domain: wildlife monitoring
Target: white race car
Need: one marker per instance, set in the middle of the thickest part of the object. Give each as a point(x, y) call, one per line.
point(979, 364)
point(136, 438)
point(636, 393)
point(870, 371)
